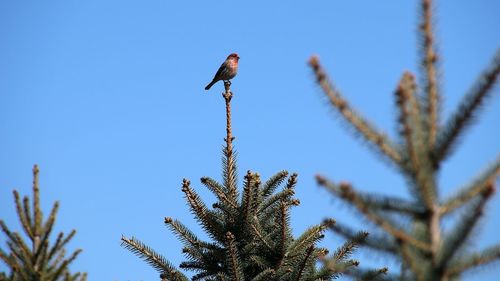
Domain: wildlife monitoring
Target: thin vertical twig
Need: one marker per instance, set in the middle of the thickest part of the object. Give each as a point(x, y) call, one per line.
point(228, 95)
point(429, 63)
point(230, 162)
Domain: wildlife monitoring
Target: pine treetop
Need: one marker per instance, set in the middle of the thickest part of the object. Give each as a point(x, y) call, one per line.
point(249, 229)
point(35, 258)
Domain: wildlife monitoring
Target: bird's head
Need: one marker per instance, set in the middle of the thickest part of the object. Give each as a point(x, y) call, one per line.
point(233, 56)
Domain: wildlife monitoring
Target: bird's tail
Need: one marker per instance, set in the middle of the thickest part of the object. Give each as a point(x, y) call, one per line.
point(210, 85)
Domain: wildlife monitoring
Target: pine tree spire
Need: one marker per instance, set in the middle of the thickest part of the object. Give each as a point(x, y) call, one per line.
point(251, 236)
point(35, 259)
point(412, 230)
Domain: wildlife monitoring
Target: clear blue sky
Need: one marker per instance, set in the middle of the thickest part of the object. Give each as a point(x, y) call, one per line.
point(107, 97)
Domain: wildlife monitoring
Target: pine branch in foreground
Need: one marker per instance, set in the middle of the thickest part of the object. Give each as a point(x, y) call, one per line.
point(35, 258)
point(412, 229)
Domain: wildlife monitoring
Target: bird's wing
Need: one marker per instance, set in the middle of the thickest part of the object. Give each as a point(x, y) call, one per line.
point(221, 72)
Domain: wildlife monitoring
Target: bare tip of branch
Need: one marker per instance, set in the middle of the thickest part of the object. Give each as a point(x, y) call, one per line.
point(323, 253)
point(314, 61)
point(408, 74)
point(490, 190)
point(329, 222)
point(35, 169)
point(185, 185)
point(320, 179)
point(168, 220)
point(345, 186)
point(229, 236)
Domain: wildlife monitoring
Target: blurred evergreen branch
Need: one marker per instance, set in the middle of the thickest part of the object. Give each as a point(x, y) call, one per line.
point(423, 250)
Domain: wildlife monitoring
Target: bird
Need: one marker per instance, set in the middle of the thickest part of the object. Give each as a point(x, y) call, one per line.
point(227, 70)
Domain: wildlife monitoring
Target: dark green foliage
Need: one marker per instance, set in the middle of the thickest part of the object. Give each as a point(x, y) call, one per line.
point(251, 240)
point(411, 230)
point(251, 237)
point(36, 259)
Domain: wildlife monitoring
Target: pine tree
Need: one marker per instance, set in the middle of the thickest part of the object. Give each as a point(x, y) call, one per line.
point(412, 230)
point(36, 259)
point(250, 232)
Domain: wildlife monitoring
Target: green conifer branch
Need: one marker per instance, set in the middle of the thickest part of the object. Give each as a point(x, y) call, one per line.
point(206, 276)
point(274, 199)
point(23, 215)
point(346, 250)
point(64, 265)
point(460, 233)
point(260, 262)
point(346, 192)
point(303, 264)
point(7, 259)
point(47, 230)
point(257, 230)
point(219, 191)
point(411, 131)
point(409, 117)
point(157, 261)
point(489, 255)
point(429, 60)
point(21, 261)
point(234, 263)
point(377, 242)
point(340, 268)
point(21, 249)
point(304, 241)
point(463, 116)
point(59, 245)
point(265, 275)
point(362, 274)
point(283, 232)
point(250, 194)
point(380, 141)
point(195, 265)
point(414, 259)
point(273, 183)
point(35, 259)
point(27, 213)
point(473, 189)
point(184, 234)
point(370, 201)
point(6, 231)
point(207, 219)
point(326, 273)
